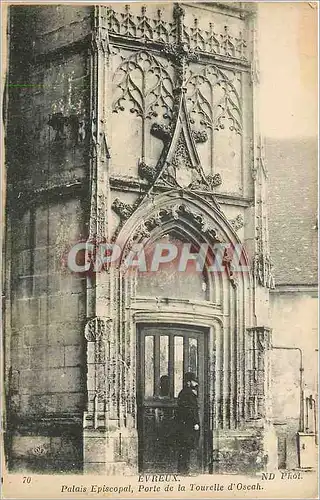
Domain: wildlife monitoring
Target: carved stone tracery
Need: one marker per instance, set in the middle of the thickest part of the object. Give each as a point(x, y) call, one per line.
point(177, 100)
point(146, 83)
point(179, 164)
point(129, 26)
point(178, 212)
point(259, 370)
point(200, 93)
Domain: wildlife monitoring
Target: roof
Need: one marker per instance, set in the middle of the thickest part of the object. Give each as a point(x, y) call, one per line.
point(293, 176)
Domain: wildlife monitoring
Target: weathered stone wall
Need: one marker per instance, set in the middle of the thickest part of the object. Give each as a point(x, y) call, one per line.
point(47, 159)
point(48, 309)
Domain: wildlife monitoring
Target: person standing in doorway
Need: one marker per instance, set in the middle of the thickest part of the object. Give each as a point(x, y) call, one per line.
point(187, 419)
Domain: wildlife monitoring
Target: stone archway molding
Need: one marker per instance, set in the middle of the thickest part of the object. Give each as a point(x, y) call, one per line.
point(185, 211)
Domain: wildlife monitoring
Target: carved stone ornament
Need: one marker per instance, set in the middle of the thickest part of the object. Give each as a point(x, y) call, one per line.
point(140, 234)
point(179, 163)
point(40, 450)
point(263, 270)
point(263, 338)
point(201, 88)
point(212, 181)
point(124, 210)
point(259, 162)
point(146, 172)
point(150, 99)
point(227, 263)
point(237, 223)
point(100, 35)
point(125, 25)
point(200, 136)
point(178, 211)
point(97, 328)
point(154, 90)
point(161, 131)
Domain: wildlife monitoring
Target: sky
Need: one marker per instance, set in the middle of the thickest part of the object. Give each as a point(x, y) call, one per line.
point(288, 68)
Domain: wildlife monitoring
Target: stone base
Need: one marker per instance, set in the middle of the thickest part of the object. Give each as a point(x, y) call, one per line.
point(114, 451)
point(242, 451)
point(46, 454)
point(110, 452)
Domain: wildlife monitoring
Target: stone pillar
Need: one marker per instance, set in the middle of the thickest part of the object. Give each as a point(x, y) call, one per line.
point(96, 453)
point(259, 393)
point(109, 432)
point(258, 371)
point(106, 443)
point(98, 443)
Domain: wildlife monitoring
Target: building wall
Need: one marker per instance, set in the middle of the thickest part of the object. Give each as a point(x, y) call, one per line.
point(46, 305)
point(294, 319)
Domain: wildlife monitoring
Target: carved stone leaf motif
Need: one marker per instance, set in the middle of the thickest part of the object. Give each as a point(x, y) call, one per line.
point(181, 157)
point(141, 233)
point(237, 222)
point(146, 83)
point(200, 136)
point(180, 169)
point(211, 181)
point(201, 89)
point(180, 211)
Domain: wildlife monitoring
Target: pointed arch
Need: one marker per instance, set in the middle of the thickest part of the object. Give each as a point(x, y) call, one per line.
point(180, 208)
point(226, 309)
point(193, 216)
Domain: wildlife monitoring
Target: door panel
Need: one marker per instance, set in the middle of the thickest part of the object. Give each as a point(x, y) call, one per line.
point(165, 353)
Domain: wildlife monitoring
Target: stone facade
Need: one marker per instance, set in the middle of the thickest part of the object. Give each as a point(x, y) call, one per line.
point(128, 124)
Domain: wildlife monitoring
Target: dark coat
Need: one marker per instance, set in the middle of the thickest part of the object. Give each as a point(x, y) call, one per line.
point(187, 416)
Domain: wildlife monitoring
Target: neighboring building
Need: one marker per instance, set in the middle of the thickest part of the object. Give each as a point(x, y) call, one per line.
point(137, 125)
point(293, 225)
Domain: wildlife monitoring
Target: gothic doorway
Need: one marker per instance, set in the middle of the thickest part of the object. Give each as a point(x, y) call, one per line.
point(165, 353)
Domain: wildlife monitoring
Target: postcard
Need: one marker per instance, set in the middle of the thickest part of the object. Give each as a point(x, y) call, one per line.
point(159, 260)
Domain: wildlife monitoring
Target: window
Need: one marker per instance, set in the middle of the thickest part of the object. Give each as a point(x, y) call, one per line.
point(166, 359)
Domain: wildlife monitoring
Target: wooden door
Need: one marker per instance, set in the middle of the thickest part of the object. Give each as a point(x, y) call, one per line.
point(165, 353)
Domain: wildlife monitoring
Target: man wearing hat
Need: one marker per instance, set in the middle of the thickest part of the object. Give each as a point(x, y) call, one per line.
point(187, 419)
